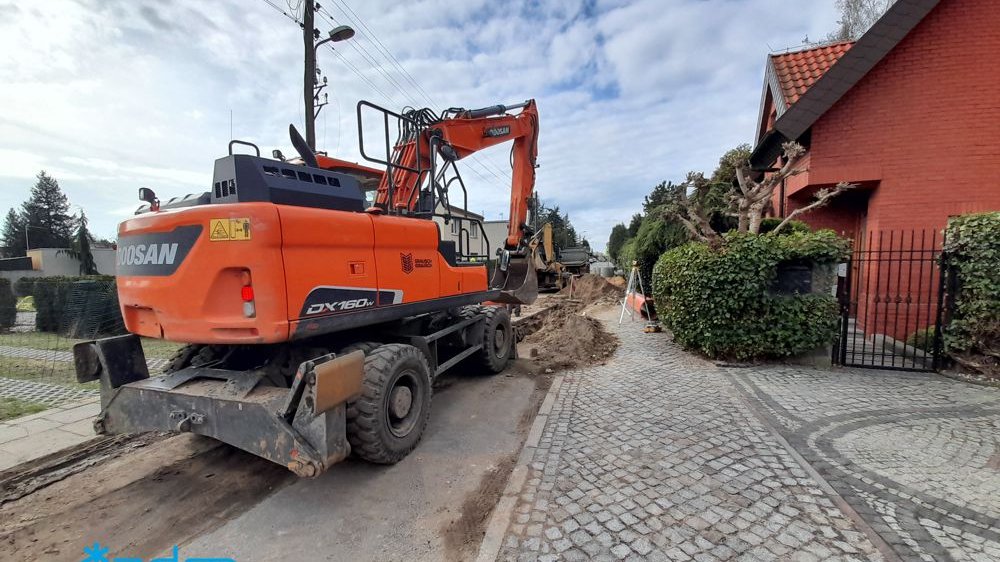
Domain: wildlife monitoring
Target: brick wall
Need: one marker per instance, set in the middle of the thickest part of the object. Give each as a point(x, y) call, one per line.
point(925, 120)
point(921, 132)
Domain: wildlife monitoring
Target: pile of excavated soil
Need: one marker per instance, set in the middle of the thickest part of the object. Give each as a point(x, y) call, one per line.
point(593, 289)
point(618, 281)
point(563, 339)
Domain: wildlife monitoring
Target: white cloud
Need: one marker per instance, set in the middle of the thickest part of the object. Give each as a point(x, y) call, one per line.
point(119, 94)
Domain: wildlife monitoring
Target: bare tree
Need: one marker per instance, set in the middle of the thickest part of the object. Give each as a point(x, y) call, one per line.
point(856, 16)
point(691, 209)
point(748, 202)
point(754, 195)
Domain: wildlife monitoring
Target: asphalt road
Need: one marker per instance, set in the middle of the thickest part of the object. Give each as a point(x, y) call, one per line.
point(430, 506)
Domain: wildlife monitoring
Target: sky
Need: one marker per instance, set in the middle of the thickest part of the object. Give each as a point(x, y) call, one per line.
point(111, 95)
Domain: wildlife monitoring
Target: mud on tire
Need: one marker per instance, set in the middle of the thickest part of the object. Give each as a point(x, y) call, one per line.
point(192, 355)
point(386, 422)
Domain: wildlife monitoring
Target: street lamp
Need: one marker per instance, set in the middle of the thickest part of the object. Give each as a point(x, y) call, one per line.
point(339, 33)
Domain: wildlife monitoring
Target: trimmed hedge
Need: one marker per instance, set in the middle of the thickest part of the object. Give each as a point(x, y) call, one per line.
point(8, 305)
point(720, 302)
point(25, 286)
point(770, 223)
point(79, 307)
point(972, 251)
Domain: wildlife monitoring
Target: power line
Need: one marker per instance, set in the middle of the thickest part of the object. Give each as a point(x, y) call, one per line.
point(359, 74)
point(282, 12)
point(368, 58)
point(380, 47)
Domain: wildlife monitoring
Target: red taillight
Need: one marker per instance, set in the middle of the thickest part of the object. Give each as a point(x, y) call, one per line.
point(247, 293)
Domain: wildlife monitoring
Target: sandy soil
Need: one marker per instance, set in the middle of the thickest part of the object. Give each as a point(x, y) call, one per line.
point(140, 503)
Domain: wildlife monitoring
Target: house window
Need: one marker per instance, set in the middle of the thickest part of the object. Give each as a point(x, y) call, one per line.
point(454, 227)
point(473, 233)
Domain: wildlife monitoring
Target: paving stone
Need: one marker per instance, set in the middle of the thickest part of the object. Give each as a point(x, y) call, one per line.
point(658, 454)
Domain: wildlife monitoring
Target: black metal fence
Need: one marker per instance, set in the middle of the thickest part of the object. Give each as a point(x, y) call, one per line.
point(892, 298)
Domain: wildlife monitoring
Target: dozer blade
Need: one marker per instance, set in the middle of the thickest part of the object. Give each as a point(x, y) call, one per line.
point(518, 281)
point(302, 427)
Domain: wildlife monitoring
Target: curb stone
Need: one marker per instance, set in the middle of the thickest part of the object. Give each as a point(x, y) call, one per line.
point(496, 529)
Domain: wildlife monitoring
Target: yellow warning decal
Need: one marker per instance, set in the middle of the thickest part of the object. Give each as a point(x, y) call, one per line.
point(229, 229)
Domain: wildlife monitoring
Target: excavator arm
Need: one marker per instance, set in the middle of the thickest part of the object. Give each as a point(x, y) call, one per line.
point(459, 134)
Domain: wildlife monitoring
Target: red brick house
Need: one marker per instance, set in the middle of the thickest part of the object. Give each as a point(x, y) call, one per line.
point(910, 112)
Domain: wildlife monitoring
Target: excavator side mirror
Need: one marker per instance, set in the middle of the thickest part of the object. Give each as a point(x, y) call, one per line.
point(307, 154)
point(147, 195)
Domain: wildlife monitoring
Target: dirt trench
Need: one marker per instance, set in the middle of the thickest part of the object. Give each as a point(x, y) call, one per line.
point(139, 503)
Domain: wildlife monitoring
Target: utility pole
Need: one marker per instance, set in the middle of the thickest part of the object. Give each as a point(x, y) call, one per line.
point(310, 83)
point(309, 76)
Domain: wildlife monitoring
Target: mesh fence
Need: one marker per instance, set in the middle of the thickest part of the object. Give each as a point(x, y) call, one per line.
point(53, 314)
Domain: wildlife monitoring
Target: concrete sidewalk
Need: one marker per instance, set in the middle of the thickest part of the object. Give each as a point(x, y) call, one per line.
point(30, 437)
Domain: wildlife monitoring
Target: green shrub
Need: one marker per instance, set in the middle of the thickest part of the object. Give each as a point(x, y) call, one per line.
point(922, 339)
point(51, 294)
point(972, 251)
point(8, 305)
point(770, 223)
point(719, 301)
point(81, 307)
point(24, 286)
point(626, 256)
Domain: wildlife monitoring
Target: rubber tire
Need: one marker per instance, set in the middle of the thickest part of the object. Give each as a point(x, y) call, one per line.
point(490, 358)
point(191, 355)
point(365, 346)
point(367, 417)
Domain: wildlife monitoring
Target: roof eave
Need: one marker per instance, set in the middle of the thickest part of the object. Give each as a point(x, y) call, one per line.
point(867, 52)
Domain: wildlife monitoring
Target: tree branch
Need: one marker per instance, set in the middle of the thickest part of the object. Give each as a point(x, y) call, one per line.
point(823, 197)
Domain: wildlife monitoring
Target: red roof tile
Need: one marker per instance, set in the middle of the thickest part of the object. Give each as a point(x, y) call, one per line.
point(798, 71)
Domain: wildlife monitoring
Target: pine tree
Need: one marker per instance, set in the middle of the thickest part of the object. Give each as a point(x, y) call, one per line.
point(46, 213)
point(80, 247)
point(13, 235)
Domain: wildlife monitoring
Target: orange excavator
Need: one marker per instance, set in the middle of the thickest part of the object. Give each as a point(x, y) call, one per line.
point(316, 320)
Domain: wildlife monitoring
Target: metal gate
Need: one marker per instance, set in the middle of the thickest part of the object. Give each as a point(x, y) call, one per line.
point(891, 301)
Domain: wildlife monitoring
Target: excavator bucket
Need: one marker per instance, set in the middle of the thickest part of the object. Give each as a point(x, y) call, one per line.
point(516, 278)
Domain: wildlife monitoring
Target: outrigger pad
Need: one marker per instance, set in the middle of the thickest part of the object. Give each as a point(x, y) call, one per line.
point(119, 358)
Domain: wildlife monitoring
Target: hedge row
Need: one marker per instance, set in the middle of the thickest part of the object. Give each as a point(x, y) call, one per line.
point(972, 250)
point(720, 301)
point(8, 305)
point(81, 307)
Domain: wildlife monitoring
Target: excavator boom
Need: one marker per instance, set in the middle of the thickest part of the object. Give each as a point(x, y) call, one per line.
point(459, 133)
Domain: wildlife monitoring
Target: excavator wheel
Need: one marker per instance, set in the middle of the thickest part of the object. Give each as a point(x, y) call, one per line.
point(498, 339)
point(365, 346)
point(386, 422)
point(192, 355)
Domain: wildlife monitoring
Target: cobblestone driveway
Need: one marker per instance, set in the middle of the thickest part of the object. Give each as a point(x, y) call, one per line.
point(659, 455)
